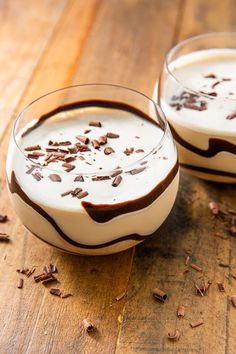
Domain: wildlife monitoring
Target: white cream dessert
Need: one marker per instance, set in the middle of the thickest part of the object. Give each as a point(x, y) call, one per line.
point(198, 98)
point(88, 178)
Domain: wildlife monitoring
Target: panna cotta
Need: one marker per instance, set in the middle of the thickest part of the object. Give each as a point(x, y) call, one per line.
point(197, 92)
point(93, 176)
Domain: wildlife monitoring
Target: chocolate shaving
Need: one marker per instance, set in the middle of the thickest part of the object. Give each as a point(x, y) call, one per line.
point(83, 139)
point(231, 116)
point(116, 173)
point(20, 283)
point(139, 150)
point(223, 265)
point(210, 76)
point(70, 159)
point(55, 178)
point(95, 124)
point(69, 167)
point(35, 155)
point(73, 150)
point(49, 280)
point(112, 135)
point(88, 326)
point(22, 270)
point(135, 171)
point(87, 131)
point(30, 272)
point(79, 179)
point(82, 195)
point(213, 93)
point(174, 336)
point(196, 323)
point(128, 151)
point(66, 193)
point(33, 148)
point(215, 84)
point(50, 268)
point(181, 311)
point(100, 178)
point(37, 176)
point(196, 267)
point(3, 218)
point(189, 105)
point(31, 169)
point(233, 300)
point(102, 140)
point(82, 148)
point(143, 163)
point(4, 237)
point(55, 291)
point(65, 296)
point(159, 295)
point(221, 287)
point(76, 191)
point(121, 296)
point(116, 181)
point(95, 144)
point(108, 151)
point(187, 260)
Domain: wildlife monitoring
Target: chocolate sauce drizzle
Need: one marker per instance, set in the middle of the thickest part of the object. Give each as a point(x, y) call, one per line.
point(215, 145)
point(208, 170)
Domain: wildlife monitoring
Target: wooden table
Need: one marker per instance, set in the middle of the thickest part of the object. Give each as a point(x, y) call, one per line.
point(49, 44)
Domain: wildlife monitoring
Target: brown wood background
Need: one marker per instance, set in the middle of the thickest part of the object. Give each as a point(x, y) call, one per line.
point(49, 44)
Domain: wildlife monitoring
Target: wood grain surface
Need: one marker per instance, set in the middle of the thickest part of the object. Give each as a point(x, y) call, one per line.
point(48, 44)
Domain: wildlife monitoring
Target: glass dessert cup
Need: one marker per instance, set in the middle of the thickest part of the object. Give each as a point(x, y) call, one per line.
point(92, 169)
point(197, 93)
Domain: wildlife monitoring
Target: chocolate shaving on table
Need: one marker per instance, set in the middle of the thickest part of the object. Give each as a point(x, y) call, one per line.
point(139, 150)
point(221, 287)
point(159, 294)
point(231, 116)
point(50, 268)
point(174, 336)
point(83, 139)
point(210, 76)
point(79, 179)
point(88, 326)
point(102, 140)
point(20, 283)
point(39, 277)
point(3, 218)
point(22, 270)
point(203, 289)
point(116, 173)
point(33, 148)
point(181, 311)
point(35, 155)
point(95, 124)
point(186, 260)
point(128, 151)
point(121, 296)
point(223, 265)
point(112, 135)
point(55, 291)
point(49, 280)
point(135, 171)
point(108, 150)
point(116, 181)
point(100, 178)
point(196, 323)
point(82, 195)
point(37, 176)
point(54, 177)
point(4, 237)
point(65, 296)
point(30, 272)
point(87, 131)
point(196, 267)
point(233, 300)
point(66, 193)
point(95, 144)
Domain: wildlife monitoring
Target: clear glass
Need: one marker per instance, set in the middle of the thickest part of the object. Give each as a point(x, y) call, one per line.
point(109, 218)
point(206, 139)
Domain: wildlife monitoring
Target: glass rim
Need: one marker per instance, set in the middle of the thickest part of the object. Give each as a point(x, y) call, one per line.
point(175, 48)
point(160, 114)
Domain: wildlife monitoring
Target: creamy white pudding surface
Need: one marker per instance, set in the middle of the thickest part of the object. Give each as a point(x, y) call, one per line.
point(89, 180)
point(199, 100)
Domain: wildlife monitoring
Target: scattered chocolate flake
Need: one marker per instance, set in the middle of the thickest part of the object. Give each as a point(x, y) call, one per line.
point(73, 150)
point(88, 326)
point(121, 296)
point(76, 191)
point(116, 181)
point(139, 150)
point(30, 272)
point(223, 265)
point(189, 105)
point(95, 124)
point(100, 178)
point(159, 295)
point(35, 155)
point(221, 287)
point(50, 278)
point(70, 159)
point(4, 236)
point(38, 176)
point(20, 283)
point(87, 131)
point(39, 277)
point(79, 179)
point(82, 195)
point(95, 144)
point(215, 84)
point(135, 171)
point(233, 300)
point(52, 149)
point(213, 93)
point(83, 139)
point(31, 169)
point(219, 235)
point(202, 289)
point(81, 158)
point(174, 336)
point(69, 167)
point(55, 291)
point(50, 268)
point(54, 177)
point(3, 218)
point(196, 267)
point(187, 260)
point(116, 173)
point(196, 323)
point(82, 148)
point(108, 150)
point(33, 148)
point(64, 143)
point(181, 311)
point(112, 135)
point(102, 140)
point(143, 163)
point(231, 116)
point(65, 296)
point(22, 270)
point(137, 137)
point(226, 79)
point(128, 151)
point(210, 76)
point(233, 275)
point(66, 193)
